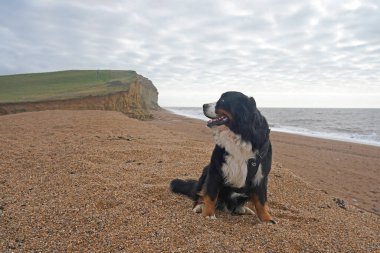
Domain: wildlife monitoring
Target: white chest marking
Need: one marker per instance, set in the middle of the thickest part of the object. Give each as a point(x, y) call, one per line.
point(235, 168)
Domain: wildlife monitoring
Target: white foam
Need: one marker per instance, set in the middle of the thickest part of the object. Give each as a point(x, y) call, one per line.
point(353, 138)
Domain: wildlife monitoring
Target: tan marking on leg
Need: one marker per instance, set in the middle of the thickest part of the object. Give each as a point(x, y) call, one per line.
point(209, 206)
point(262, 210)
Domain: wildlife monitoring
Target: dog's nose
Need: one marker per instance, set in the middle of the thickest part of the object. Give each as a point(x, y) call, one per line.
point(205, 106)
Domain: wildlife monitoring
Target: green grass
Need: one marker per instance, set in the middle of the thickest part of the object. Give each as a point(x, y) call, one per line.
point(61, 84)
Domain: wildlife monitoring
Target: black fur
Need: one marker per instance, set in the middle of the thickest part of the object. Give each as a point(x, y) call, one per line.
point(183, 187)
point(247, 122)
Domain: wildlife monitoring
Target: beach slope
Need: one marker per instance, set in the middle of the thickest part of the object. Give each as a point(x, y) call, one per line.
point(98, 181)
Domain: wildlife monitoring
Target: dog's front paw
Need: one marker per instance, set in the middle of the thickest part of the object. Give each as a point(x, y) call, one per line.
point(270, 221)
point(211, 217)
point(199, 209)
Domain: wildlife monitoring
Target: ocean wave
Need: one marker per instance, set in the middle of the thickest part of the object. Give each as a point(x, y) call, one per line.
point(350, 125)
point(368, 139)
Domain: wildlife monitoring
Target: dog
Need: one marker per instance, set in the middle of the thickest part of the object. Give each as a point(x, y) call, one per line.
point(240, 162)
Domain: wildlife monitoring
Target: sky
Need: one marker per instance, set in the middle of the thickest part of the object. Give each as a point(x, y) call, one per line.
point(284, 53)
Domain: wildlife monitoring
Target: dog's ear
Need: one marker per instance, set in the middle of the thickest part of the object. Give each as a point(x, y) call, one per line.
point(253, 101)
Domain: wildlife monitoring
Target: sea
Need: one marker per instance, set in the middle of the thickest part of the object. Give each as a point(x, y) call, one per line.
point(350, 125)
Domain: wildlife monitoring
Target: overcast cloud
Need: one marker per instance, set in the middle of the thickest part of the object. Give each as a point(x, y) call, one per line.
point(318, 53)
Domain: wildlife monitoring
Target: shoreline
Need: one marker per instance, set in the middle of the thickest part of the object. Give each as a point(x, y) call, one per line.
point(324, 136)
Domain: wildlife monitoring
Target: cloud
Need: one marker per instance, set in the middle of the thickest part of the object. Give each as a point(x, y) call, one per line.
point(196, 49)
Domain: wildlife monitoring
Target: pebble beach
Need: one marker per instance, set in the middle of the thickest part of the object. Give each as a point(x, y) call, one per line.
point(98, 181)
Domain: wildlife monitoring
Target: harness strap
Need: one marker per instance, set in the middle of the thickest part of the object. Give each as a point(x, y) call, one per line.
point(253, 163)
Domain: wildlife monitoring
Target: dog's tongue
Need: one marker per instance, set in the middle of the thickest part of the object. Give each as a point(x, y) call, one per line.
point(217, 121)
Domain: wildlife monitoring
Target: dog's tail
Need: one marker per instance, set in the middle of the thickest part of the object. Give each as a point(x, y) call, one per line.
point(184, 187)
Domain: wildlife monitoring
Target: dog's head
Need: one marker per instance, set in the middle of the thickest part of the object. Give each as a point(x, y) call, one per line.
point(233, 109)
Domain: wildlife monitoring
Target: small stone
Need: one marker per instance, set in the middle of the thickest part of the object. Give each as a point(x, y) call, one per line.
point(340, 202)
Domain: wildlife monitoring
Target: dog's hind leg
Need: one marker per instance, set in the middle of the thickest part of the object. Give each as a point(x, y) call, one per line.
point(198, 208)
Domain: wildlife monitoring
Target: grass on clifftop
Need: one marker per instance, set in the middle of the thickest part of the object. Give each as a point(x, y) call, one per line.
point(62, 84)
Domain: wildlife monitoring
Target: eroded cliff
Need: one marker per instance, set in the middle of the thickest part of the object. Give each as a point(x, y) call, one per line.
point(140, 97)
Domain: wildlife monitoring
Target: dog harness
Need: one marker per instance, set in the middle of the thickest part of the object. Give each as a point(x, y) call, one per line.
point(253, 163)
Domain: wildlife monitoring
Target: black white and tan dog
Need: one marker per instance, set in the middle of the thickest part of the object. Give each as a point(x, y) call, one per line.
point(240, 163)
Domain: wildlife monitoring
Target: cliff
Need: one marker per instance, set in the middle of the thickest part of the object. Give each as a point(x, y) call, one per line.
point(136, 101)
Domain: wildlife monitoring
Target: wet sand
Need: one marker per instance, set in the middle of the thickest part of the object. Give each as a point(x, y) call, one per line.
point(98, 181)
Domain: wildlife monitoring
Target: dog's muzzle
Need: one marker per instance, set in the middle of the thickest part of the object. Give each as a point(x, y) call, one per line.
point(216, 120)
point(209, 110)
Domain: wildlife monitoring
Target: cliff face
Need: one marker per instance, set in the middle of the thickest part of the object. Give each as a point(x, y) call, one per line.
point(140, 97)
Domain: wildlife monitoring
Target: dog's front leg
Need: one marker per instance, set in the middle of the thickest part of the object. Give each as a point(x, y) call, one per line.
point(210, 198)
point(259, 201)
point(209, 207)
point(262, 210)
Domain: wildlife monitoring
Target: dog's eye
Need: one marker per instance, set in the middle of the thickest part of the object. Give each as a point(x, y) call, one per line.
point(221, 101)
